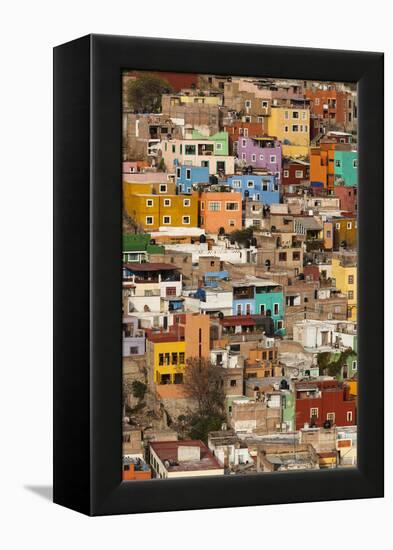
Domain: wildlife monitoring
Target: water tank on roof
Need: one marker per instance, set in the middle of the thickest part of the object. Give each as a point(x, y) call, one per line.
point(202, 239)
point(284, 385)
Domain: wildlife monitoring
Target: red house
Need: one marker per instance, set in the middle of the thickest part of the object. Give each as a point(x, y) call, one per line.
point(238, 129)
point(348, 198)
point(317, 402)
point(295, 172)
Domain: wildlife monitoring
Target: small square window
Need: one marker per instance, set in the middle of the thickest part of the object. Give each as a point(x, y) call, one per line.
point(163, 188)
point(186, 202)
point(167, 202)
point(149, 203)
point(149, 220)
point(186, 220)
point(166, 220)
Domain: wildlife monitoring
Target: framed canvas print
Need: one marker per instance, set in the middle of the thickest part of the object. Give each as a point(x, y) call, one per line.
point(218, 275)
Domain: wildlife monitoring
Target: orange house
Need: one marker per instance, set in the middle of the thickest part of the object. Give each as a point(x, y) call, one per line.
point(322, 165)
point(132, 472)
point(220, 212)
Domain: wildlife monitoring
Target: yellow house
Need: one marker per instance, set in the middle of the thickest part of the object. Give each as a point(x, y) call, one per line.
point(290, 124)
point(152, 211)
point(155, 188)
point(168, 355)
point(345, 276)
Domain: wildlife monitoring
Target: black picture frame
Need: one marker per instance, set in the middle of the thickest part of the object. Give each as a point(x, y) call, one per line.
point(87, 274)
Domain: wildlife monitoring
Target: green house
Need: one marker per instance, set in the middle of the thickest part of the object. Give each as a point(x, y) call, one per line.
point(346, 168)
point(137, 247)
point(220, 140)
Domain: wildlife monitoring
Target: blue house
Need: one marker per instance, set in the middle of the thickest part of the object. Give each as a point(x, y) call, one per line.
point(187, 175)
point(260, 188)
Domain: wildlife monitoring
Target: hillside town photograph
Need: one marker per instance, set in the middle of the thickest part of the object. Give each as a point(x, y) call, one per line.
point(239, 290)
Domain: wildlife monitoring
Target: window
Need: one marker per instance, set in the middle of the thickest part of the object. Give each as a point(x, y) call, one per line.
point(354, 365)
point(202, 205)
point(286, 128)
point(265, 185)
point(248, 309)
point(253, 158)
point(186, 202)
point(190, 149)
point(265, 104)
point(214, 206)
point(163, 188)
point(188, 174)
point(239, 309)
point(338, 226)
point(231, 206)
point(314, 412)
point(167, 202)
point(243, 156)
point(232, 223)
point(160, 359)
point(349, 225)
point(355, 163)
point(149, 220)
point(316, 102)
point(282, 256)
point(233, 383)
point(133, 350)
point(350, 279)
point(328, 234)
point(250, 183)
point(173, 148)
point(244, 142)
point(236, 183)
point(280, 325)
point(306, 127)
point(296, 256)
point(304, 116)
point(331, 417)
point(350, 294)
point(245, 132)
point(186, 220)
point(178, 172)
point(286, 115)
point(295, 114)
point(286, 173)
point(349, 416)
point(247, 103)
point(166, 220)
point(273, 159)
point(276, 309)
point(299, 174)
point(247, 119)
point(260, 157)
point(181, 358)
point(295, 128)
point(218, 146)
point(149, 202)
point(174, 358)
point(338, 163)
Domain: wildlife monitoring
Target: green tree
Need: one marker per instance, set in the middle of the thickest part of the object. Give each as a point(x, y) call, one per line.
point(138, 389)
point(144, 93)
point(241, 236)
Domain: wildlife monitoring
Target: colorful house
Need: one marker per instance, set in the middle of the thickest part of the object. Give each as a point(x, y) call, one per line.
point(291, 126)
point(137, 247)
point(345, 233)
point(264, 189)
point(219, 211)
point(186, 176)
point(344, 273)
point(261, 152)
point(346, 168)
point(152, 211)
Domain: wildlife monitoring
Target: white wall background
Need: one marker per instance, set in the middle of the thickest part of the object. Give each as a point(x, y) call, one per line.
point(28, 31)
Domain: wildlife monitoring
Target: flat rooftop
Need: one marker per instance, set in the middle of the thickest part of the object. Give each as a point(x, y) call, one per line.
point(167, 451)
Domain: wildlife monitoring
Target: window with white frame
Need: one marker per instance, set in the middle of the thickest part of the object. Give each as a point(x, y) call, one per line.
point(338, 163)
point(260, 157)
point(166, 220)
point(286, 115)
point(349, 225)
point(253, 158)
point(338, 225)
point(306, 127)
point(304, 115)
point(355, 163)
point(264, 104)
point(331, 417)
point(354, 365)
point(245, 132)
point(188, 173)
point(167, 202)
point(316, 102)
point(298, 173)
point(232, 223)
point(186, 220)
point(314, 412)
point(149, 203)
point(247, 103)
point(295, 114)
point(218, 146)
point(273, 159)
point(163, 188)
point(265, 185)
point(214, 206)
point(276, 309)
point(231, 206)
point(202, 205)
point(286, 173)
point(149, 220)
point(247, 119)
point(250, 183)
point(236, 183)
point(186, 202)
point(244, 142)
point(243, 156)
point(286, 129)
point(295, 128)
point(349, 416)
point(178, 172)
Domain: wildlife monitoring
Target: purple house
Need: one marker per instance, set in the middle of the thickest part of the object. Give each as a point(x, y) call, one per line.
point(133, 337)
point(261, 152)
